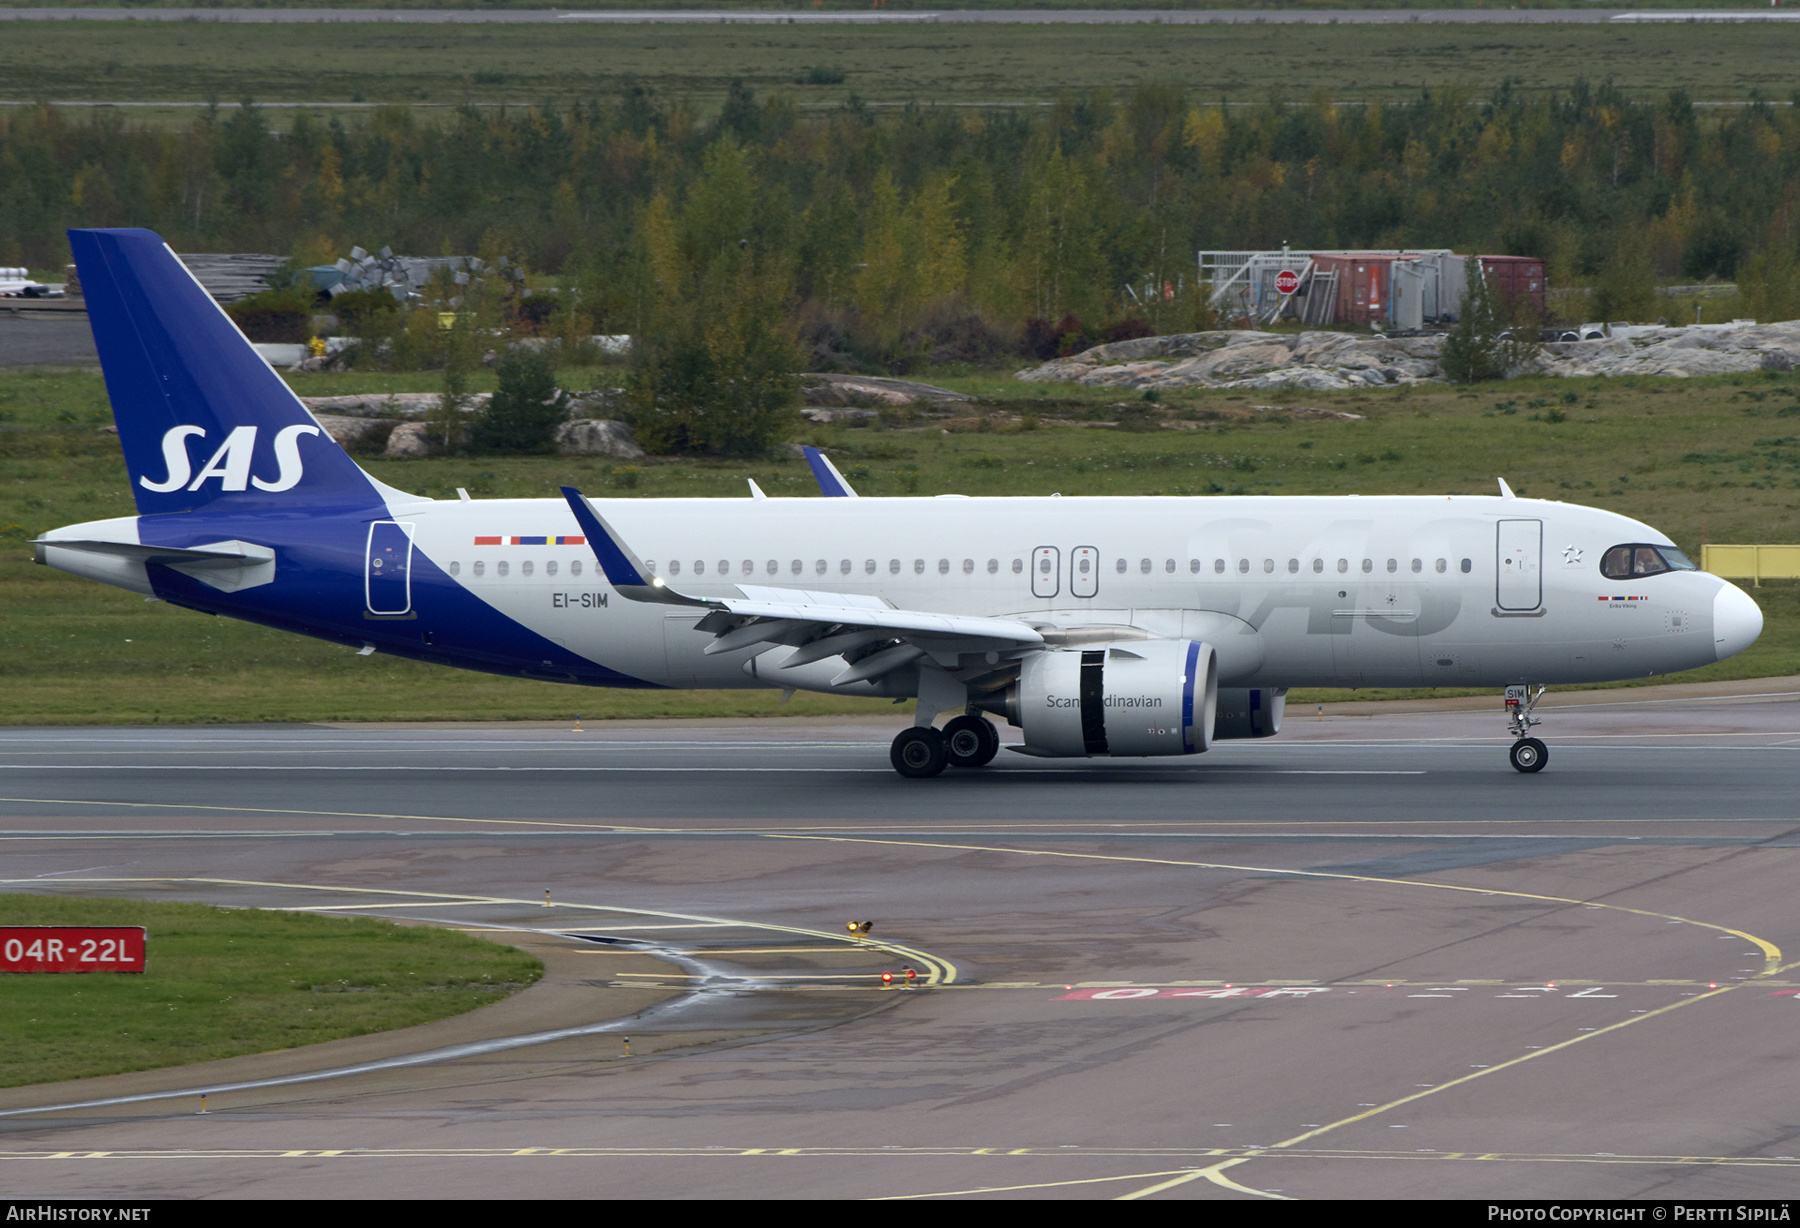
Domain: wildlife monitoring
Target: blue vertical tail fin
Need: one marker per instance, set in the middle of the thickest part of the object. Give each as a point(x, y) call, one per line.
point(202, 418)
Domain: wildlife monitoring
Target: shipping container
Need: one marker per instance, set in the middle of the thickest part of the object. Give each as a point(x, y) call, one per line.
point(1518, 281)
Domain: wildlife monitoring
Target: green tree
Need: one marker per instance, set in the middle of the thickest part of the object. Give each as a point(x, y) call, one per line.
point(1769, 282)
point(716, 366)
point(526, 407)
point(1626, 286)
point(1481, 346)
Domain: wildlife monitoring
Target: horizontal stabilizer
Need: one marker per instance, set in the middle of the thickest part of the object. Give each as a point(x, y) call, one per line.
point(235, 555)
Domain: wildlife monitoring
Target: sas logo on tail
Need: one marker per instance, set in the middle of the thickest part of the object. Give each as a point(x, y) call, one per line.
point(231, 463)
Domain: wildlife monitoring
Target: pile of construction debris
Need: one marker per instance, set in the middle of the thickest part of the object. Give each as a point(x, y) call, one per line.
point(230, 276)
point(406, 277)
point(1326, 362)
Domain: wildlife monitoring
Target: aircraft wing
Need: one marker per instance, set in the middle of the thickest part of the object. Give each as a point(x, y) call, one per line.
point(820, 624)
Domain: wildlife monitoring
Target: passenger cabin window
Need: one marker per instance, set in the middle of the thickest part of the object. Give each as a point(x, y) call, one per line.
point(575, 567)
point(943, 567)
point(456, 569)
point(550, 568)
point(1169, 566)
point(674, 567)
point(1318, 566)
point(1418, 566)
point(893, 567)
point(1144, 566)
point(480, 567)
point(525, 567)
point(1467, 566)
point(1268, 567)
point(918, 567)
point(1630, 561)
point(968, 567)
point(1219, 566)
point(1441, 565)
point(1018, 567)
point(1243, 567)
point(820, 566)
point(1194, 566)
point(1393, 566)
point(993, 567)
point(1293, 566)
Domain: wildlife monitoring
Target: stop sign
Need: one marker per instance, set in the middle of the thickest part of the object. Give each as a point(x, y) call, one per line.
point(1287, 281)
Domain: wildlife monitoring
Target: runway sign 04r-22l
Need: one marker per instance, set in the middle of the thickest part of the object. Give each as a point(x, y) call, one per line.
point(71, 948)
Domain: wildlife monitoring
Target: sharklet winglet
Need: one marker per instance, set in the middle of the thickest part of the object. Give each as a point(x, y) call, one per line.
point(831, 482)
point(624, 570)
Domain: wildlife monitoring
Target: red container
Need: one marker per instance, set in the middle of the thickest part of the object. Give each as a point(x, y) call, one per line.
point(1364, 282)
point(1516, 279)
point(71, 948)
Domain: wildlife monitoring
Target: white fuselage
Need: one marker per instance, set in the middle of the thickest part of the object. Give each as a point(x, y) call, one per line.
point(1291, 591)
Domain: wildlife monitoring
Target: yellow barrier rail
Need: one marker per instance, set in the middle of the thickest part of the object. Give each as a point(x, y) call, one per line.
point(1755, 563)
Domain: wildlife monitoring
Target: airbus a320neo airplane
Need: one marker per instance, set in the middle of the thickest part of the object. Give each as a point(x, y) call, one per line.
point(1097, 626)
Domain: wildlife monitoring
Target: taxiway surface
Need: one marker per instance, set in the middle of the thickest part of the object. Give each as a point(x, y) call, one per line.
point(1363, 959)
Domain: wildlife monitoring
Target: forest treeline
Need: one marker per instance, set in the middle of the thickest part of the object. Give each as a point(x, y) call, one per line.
point(877, 226)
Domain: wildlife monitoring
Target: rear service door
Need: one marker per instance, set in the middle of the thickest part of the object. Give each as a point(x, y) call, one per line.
point(1519, 579)
point(387, 584)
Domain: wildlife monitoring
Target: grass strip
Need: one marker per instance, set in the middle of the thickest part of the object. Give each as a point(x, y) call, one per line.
point(227, 981)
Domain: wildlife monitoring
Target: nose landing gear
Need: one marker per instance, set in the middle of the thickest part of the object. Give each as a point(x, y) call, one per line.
point(1528, 754)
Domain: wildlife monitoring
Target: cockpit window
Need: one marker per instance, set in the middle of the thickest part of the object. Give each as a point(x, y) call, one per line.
point(1631, 561)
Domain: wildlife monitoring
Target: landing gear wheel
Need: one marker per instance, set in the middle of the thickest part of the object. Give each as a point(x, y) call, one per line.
point(970, 741)
point(1529, 755)
point(918, 753)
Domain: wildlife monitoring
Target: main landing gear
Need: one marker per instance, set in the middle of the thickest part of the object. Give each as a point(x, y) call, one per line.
point(1528, 754)
point(966, 741)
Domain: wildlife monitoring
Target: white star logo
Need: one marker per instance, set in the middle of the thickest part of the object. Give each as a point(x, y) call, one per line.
point(1571, 554)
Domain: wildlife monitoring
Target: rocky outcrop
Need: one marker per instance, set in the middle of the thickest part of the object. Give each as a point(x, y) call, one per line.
point(597, 437)
point(1318, 361)
point(1678, 352)
point(1327, 361)
point(409, 439)
point(346, 431)
point(871, 391)
point(411, 405)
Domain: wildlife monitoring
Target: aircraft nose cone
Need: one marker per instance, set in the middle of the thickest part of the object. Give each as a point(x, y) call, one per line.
point(1737, 621)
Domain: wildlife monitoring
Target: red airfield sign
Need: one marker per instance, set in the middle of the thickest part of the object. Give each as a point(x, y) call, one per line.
point(71, 948)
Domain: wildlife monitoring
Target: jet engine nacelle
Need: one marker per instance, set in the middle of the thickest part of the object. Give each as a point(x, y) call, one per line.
point(1254, 712)
point(1142, 697)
